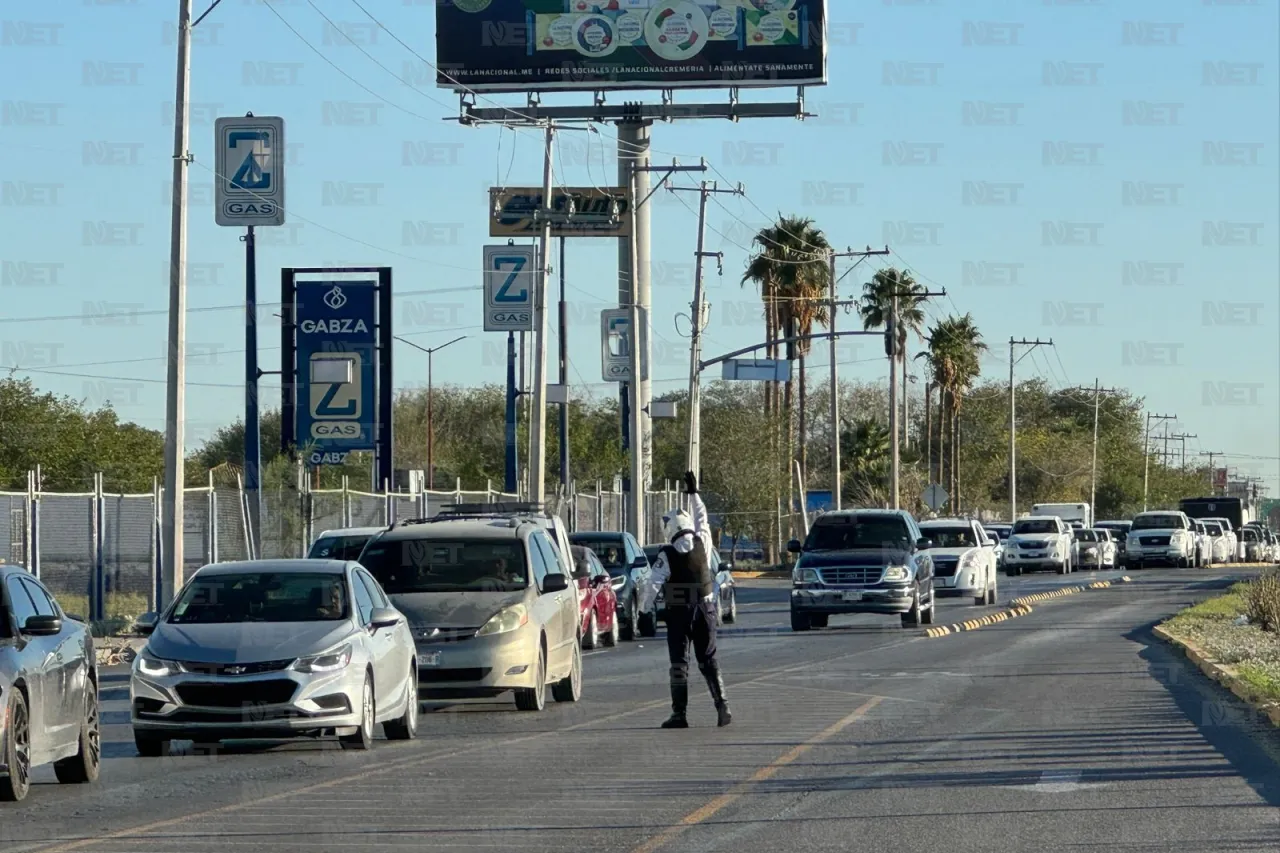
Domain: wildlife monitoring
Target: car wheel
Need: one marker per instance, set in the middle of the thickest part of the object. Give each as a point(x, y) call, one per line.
point(535, 698)
point(819, 620)
point(631, 621)
point(648, 624)
point(363, 738)
point(911, 618)
point(569, 688)
point(800, 621)
point(406, 728)
point(85, 764)
point(17, 751)
point(732, 615)
point(611, 638)
point(150, 746)
point(926, 615)
point(591, 639)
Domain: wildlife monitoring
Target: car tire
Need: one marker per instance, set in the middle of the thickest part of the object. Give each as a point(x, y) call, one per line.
point(911, 619)
point(648, 624)
point(611, 639)
point(591, 638)
point(363, 738)
point(628, 628)
point(731, 616)
point(85, 765)
point(800, 621)
point(406, 727)
point(151, 746)
point(569, 688)
point(927, 615)
point(535, 698)
point(17, 750)
point(819, 620)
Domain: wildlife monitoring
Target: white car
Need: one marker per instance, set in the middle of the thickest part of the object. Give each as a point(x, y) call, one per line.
point(1219, 542)
point(1095, 549)
point(1039, 542)
point(1204, 544)
point(964, 559)
point(1161, 537)
point(1234, 549)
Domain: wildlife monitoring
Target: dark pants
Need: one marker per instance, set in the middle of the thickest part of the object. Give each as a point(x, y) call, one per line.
point(691, 624)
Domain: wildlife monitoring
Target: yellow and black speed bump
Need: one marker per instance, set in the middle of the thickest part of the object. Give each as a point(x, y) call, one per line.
point(1018, 607)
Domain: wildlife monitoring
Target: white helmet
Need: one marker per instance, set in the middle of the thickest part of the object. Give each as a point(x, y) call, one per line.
point(676, 523)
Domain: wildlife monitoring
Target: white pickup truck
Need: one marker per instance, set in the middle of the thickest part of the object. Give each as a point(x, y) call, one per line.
point(1161, 537)
point(1039, 542)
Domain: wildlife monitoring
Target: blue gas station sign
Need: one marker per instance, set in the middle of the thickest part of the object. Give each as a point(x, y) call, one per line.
point(336, 333)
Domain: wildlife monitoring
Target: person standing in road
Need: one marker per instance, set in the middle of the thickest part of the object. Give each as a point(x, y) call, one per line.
point(683, 572)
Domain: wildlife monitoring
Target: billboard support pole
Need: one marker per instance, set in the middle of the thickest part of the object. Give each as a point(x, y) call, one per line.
point(252, 424)
point(509, 484)
point(538, 423)
point(386, 397)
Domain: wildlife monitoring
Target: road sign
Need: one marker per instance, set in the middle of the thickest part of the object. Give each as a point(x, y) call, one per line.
point(509, 282)
point(615, 344)
point(757, 369)
point(597, 212)
point(249, 159)
point(336, 327)
point(934, 497)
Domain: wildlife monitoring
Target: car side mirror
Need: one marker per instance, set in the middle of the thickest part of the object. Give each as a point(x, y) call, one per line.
point(146, 623)
point(554, 583)
point(384, 617)
point(640, 562)
point(793, 547)
point(924, 544)
point(42, 626)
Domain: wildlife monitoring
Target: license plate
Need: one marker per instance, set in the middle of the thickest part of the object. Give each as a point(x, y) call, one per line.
point(430, 659)
point(852, 596)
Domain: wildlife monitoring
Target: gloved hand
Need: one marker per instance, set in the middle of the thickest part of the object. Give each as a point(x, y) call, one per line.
point(709, 599)
point(690, 483)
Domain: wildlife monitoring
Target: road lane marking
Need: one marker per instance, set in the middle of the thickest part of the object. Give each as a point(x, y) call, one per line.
point(718, 804)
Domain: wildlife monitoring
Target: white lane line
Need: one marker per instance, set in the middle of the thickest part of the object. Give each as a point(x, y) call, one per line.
point(1059, 782)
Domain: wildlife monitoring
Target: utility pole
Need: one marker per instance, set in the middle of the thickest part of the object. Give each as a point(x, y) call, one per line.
point(1146, 454)
point(431, 430)
point(1213, 489)
point(1098, 391)
point(564, 375)
point(1182, 438)
point(832, 310)
point(538, 421)
point(1013, 420)
point(698, 314)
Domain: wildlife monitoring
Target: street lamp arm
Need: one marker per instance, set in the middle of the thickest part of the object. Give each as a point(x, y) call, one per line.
point(711, 362)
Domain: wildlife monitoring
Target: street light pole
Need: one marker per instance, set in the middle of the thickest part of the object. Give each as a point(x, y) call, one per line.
point(430, 351)
point(1013, 424)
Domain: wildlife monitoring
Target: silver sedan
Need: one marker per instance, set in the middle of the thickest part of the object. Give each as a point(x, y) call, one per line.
point(275, 649)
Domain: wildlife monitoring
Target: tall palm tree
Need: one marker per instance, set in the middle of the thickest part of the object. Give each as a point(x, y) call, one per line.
point(876, 304)
point(792, 268)
point(955, 353)
point(864, 444)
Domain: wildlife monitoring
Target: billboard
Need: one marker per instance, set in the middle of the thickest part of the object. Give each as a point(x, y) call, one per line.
point(597, 212)
point(533, 45)
point(336, 367)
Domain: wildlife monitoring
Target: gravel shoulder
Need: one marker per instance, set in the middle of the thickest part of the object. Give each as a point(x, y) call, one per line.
point(1214, 627)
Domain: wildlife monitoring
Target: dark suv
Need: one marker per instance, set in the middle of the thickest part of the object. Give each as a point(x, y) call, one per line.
point(862, 561)
point(628, 567)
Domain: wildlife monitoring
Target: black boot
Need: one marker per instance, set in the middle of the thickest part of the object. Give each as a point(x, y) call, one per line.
point(716, 683)
point(679, 702)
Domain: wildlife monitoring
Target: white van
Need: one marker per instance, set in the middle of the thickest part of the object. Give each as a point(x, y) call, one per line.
point(1067, 512)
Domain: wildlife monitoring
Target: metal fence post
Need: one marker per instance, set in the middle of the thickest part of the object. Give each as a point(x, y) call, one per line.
point(154, 593)
point(388, 506)
point(212, 503)
point(97, 605)
point(33, 557)
point(599, 506)
point(346, 504)
point(457, 490)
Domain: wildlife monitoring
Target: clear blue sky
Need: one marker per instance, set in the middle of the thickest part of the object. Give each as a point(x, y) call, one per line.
point(1218, 324)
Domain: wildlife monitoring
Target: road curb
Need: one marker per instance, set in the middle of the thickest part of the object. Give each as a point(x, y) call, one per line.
point(1017, 607)
point(1222, 673)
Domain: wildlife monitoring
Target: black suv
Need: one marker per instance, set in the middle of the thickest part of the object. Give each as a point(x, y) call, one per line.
point(862, 561)
point(628, 566)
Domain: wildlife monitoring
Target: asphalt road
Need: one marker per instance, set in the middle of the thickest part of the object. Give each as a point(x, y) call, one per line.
point(1069, 729)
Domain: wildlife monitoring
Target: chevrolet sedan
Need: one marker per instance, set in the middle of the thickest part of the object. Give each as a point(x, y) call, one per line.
point(275, 649)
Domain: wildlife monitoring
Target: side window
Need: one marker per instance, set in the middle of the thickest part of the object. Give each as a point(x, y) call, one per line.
point(363, 601)
point(537, 559)
point(23, 609)
point(550, 556)
point(375, 592)
point(44, 604)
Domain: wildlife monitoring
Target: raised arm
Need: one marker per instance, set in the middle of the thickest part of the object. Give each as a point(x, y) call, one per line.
point(698, 510)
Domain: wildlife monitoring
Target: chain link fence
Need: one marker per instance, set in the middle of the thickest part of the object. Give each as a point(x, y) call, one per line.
point(99, 553)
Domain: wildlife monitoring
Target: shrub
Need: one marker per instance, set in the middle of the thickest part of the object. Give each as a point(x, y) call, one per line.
point(1262, 600)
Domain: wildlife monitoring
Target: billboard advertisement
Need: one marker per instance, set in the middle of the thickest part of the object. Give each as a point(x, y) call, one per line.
point(597, 212)
point(533, 45)
point(336, 367)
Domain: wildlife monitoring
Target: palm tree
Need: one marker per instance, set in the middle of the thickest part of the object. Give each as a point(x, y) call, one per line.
point(955, 352)
point(792, 268)
point(876, 305)
point(864, 446)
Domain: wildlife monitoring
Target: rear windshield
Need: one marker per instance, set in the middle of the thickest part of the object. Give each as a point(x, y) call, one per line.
point(857, 532)
point(338, 547)
point(949, 537)
point(447, 565)
point(610, 551)
point(1157, 522)
point(1213, 528)
point(1086, 536)
point(262, 597)
point(1250, 535)
point(1036, 525)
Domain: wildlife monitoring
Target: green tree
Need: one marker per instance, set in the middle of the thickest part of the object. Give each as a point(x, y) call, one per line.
point(876, 306)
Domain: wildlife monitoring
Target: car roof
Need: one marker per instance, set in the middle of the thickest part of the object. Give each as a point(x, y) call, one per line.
point(278, 566)
point(1109, 523)
point(847, 513)
point(7, 569)
point(596, 534)
point(450, 528)
point(351, 531)
point(949, 520)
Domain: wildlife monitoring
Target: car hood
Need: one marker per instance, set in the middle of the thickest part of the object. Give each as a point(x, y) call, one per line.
point(453, 609)
point(951, 552)
point(245, 642)
point(876, 557)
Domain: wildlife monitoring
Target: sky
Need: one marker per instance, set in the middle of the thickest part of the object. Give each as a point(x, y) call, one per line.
point(1102, 174)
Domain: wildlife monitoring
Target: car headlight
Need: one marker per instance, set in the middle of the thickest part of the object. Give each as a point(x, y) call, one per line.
point(330, 661)
point(505, 620)
point(157, 667)
point(805, 576)
point(897, 573)
point(969, 561)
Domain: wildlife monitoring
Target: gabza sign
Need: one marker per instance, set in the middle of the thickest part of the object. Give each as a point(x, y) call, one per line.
point(336, 360)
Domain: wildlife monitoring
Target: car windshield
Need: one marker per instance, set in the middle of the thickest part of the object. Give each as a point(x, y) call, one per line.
point(338, 547)
point(844, 533)
point(1157, 522)
point(262, 597)
point(447, 565)
point(1036, 525)
point(1086, 536)
point(949, 537)
point(1250, 535)
point(610, 551)
point(1213, 529)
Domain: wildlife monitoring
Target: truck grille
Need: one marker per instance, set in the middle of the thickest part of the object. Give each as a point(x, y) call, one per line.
point(945, 567)
point(1154, 541)
point(237, 694)
point(851, 575)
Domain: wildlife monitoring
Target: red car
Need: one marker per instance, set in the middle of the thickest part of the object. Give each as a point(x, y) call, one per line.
point(599, 603)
